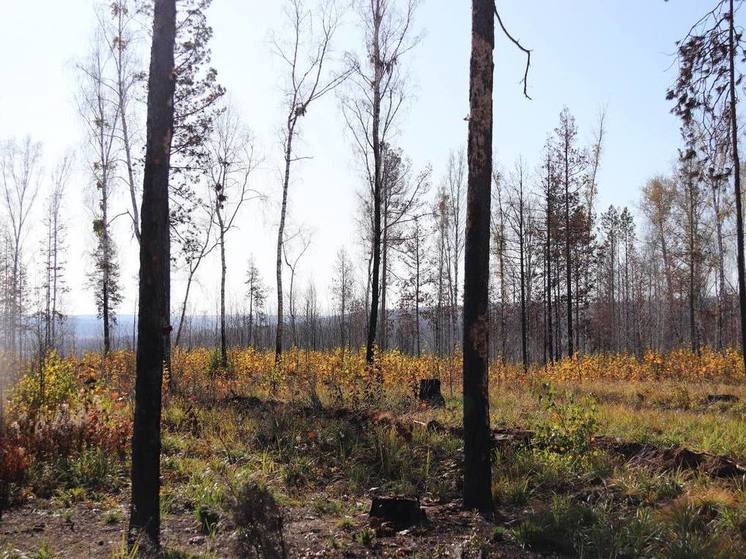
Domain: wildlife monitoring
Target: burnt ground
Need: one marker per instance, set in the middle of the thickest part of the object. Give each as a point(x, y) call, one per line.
point(83, 532)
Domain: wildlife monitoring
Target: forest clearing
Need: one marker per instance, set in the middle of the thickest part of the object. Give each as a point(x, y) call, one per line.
point(350, 279)
point(592, 458)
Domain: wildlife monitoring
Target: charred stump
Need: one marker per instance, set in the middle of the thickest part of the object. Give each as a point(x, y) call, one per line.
point(397, 512)
point(430, 392)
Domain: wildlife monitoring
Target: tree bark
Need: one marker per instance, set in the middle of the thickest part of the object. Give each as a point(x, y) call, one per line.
point(153, 315)
point(737, 182)
point(568, 255)
point(377, 186)
point(280, 236)
point(477, 452)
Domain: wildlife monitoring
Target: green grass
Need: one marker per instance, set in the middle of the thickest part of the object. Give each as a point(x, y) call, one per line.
point(561, 494)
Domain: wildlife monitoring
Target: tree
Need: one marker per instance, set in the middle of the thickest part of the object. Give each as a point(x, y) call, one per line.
point(121, 42)
point(100, 111)
point(413, 295)
point(53, 250)
point(705, 91)
point(456, 190)
point(477, 490)
point(370, 115)
point(256, 293)
point(196, 243)
point(657, 203)
point(307, 82)
point(343, 284)
point(549, 187)
point(401, 200)
point(609, 256)
point(572, 163)
point(520, 230)
point(196, 108)
point(153, 325)
point(19, 166)
point(477, 461)
point(230, 161)
point(292, 263)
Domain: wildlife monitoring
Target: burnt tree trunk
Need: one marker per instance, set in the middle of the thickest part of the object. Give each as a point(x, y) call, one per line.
point(477, 453)
point(377, 185)
point(737, 182)
point(153, 316)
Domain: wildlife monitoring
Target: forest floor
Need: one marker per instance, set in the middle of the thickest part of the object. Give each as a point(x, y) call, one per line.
point(593, 469)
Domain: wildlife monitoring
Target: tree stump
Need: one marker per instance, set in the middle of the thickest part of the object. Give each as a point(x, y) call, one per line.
point(398, 512)
point(430, 392)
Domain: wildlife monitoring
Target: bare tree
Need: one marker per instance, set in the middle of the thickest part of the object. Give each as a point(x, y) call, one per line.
point(256, 293)
point(371, 111)
point(342, 292)
point(230, 161)
point(20, 167)
point(292, 261)
point(118, 29)
point(53, 251)
point(413, 294)
point(309, 80)
point(456, 189)
point(196, 243)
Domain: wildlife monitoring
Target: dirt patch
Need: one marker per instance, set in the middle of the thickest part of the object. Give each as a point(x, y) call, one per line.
point(82, 532)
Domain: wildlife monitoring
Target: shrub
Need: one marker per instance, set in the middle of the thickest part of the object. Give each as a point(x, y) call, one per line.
point(259, 523)
point(46, 390)
point(569, 427)
point(13, 464)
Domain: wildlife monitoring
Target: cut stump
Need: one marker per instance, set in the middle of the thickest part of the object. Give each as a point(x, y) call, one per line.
point(430, 392)
point(398, 512)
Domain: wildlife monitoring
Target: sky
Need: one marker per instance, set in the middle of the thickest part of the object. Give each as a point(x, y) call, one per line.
point(586, 55)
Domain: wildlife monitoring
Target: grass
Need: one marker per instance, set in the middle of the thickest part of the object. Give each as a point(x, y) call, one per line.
point(560, 494)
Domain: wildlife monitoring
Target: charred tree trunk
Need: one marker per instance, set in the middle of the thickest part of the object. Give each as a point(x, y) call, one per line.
point(550, 327)
point(153, 315)
point(477, 451)
point(737, 181)
point(568, 255)
point(377, 186)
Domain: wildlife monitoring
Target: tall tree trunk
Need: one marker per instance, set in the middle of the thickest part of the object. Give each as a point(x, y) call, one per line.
point(737, 182)
point(184, 303)
point(377, 186)
point(417, 287)
point(383, 335)
point(721, 265)
point(524, 340)
point(105, 287)
point(568, 256)
point(477, 448)
point(153, 315)
point(223, 343)
point(550, 328)
point(281, 236)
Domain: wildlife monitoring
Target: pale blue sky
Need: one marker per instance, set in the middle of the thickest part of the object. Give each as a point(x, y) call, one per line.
point(586, 54)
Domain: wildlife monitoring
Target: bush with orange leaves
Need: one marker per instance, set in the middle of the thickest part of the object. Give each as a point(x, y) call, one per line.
point(342, 374)
point(59, 413)
point(13, 464)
